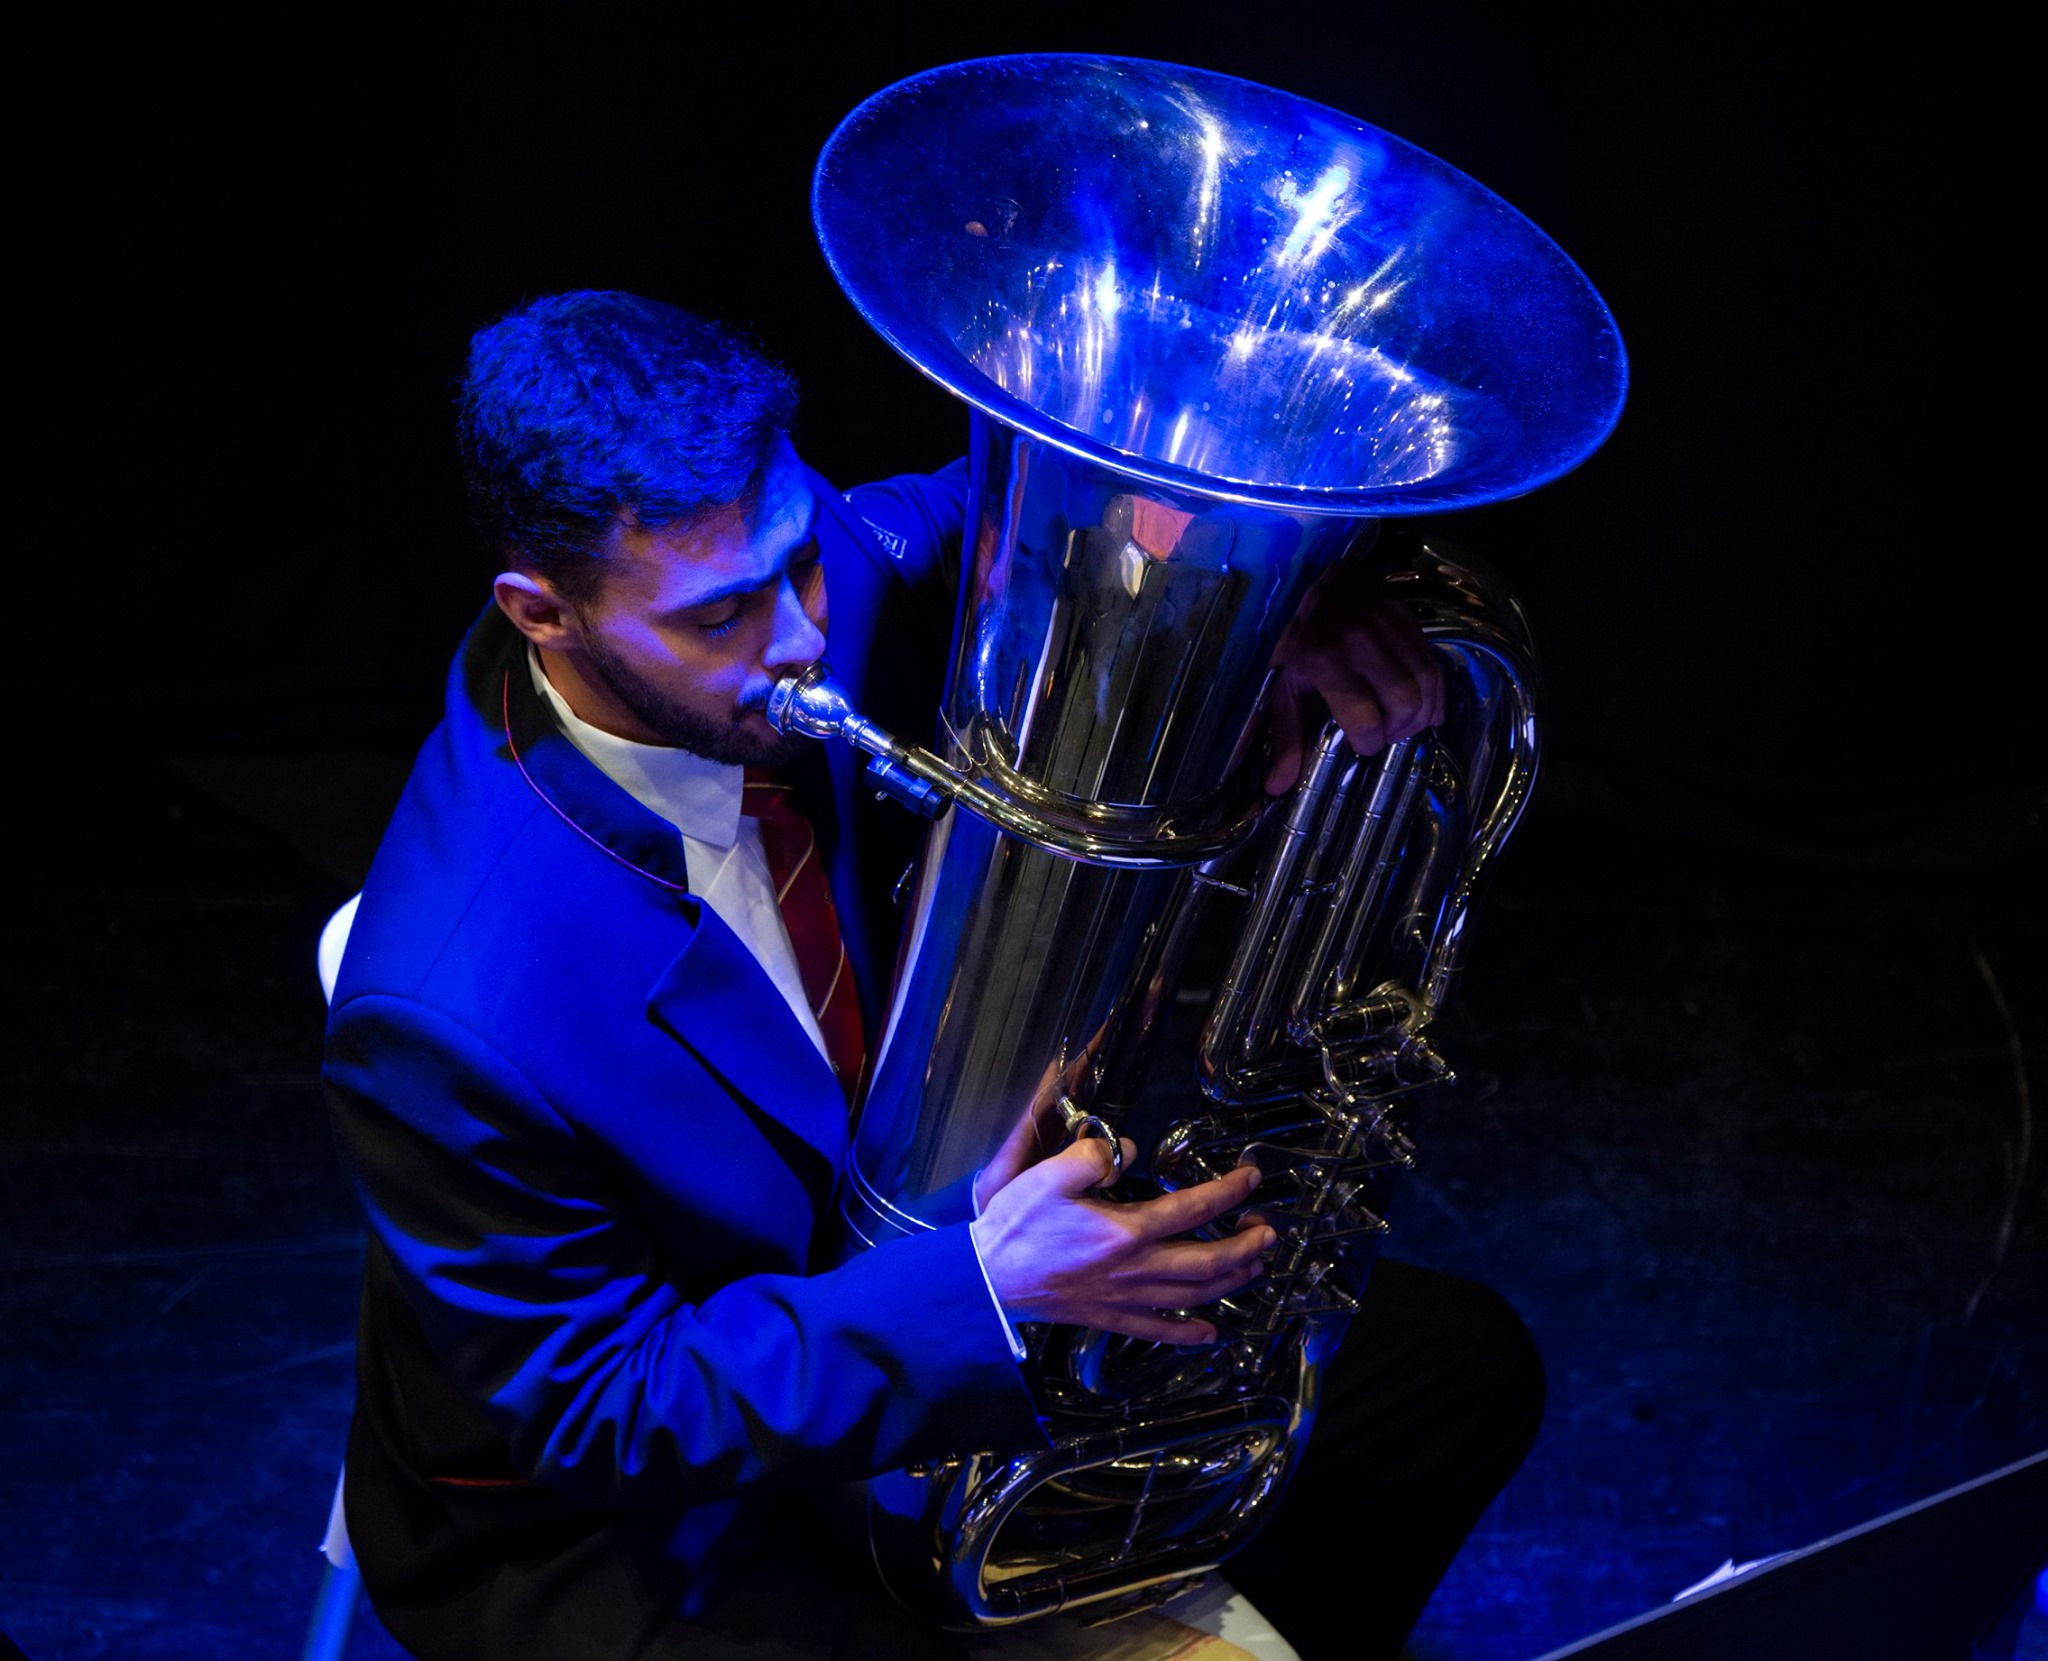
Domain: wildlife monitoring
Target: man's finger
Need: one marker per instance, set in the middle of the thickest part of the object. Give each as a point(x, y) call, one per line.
point(1402, 643)
point(1192, 1207)
point(1364, 683)
point(1404, 635)
point(1194, 1260)
point(1087, 1164)
point(1374, 660)
point(1358, 713)
point(1284, 711)
point(1426, 662)
point(1188, 1294)
point(1161, 1329)
point(1218, 1287)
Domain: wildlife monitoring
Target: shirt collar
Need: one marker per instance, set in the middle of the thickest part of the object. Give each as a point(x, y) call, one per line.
point(697, 795)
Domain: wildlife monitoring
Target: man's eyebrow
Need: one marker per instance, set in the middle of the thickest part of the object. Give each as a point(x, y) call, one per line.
point(733, 590)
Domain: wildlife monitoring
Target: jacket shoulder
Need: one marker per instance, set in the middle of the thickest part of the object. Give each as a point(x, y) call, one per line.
point(477, 865)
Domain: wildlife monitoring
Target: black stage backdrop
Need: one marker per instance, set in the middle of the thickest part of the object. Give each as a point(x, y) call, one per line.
point(1788, 607)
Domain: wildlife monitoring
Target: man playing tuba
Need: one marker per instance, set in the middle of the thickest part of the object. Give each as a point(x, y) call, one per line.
point(603, 1020)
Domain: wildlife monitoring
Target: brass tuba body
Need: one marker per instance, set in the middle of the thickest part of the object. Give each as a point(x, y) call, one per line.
point(1210, 334)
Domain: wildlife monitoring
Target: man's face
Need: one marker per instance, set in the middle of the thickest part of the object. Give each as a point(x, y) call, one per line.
point(693, 623)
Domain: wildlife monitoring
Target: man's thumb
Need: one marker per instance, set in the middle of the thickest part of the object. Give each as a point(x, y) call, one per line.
point(1086, 1164)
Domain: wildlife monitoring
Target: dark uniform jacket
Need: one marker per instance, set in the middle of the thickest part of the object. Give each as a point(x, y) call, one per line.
point(607, 1368)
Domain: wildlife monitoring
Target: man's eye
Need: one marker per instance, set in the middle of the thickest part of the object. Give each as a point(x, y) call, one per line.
point(725, 620)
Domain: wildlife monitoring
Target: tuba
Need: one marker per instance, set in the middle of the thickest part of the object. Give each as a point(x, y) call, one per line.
point(1210, 334)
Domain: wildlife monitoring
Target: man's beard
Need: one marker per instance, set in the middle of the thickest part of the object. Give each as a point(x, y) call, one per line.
point(728, 742)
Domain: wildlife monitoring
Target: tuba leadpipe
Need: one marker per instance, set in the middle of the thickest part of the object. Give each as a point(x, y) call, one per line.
point(1210, 335)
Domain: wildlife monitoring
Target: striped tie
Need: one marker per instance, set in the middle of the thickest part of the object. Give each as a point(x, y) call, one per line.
point(806, 901)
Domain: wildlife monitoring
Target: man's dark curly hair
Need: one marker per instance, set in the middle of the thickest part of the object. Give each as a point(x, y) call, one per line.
point(576, 407)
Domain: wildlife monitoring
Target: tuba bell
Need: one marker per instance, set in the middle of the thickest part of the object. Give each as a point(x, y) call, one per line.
point(1211, 335)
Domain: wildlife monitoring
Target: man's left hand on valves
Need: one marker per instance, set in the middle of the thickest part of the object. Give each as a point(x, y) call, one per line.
point(1354, 648)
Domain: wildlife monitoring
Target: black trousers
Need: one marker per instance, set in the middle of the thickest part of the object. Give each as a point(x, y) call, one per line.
point(1433, 1401)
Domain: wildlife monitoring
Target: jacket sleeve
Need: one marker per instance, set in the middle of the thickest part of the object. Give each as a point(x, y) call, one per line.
point(918, 519)
point(554, 1309)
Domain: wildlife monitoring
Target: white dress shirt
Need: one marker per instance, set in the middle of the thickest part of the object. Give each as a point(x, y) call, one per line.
point(722, 853)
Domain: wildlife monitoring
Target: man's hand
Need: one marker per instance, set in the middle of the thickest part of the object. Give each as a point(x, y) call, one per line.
point(1055, 1251)
point(1357, 647)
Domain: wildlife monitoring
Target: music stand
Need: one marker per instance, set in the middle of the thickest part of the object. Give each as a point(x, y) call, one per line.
point(1918, 1585)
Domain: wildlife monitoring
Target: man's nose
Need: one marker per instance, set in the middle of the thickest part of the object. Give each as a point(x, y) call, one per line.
point(797, 641)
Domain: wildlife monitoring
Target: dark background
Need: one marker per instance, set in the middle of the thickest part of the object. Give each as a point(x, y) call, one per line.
point(1745, 1128)
point(1787, 604)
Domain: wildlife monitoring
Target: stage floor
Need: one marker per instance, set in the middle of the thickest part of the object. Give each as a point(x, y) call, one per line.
point(1738, 1138)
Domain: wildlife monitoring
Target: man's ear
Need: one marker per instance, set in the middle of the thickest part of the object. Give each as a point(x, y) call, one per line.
point(537, 610)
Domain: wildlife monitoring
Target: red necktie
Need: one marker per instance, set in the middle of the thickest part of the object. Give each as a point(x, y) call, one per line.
point(806, 901)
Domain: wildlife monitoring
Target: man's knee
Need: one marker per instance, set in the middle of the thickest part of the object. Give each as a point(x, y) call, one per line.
point(1509, 1384)
point(1440, 1363)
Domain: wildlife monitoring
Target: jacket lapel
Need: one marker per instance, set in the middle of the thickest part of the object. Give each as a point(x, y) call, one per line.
point(719, 1002)
point(500, 685)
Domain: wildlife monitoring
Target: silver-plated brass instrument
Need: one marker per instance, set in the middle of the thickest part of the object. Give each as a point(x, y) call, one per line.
point(1209, 332)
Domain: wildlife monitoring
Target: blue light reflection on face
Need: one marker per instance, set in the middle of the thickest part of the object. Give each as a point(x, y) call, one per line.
point(1212, 284)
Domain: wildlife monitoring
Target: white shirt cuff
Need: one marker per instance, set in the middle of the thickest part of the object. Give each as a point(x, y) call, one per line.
point(1018, 1353)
